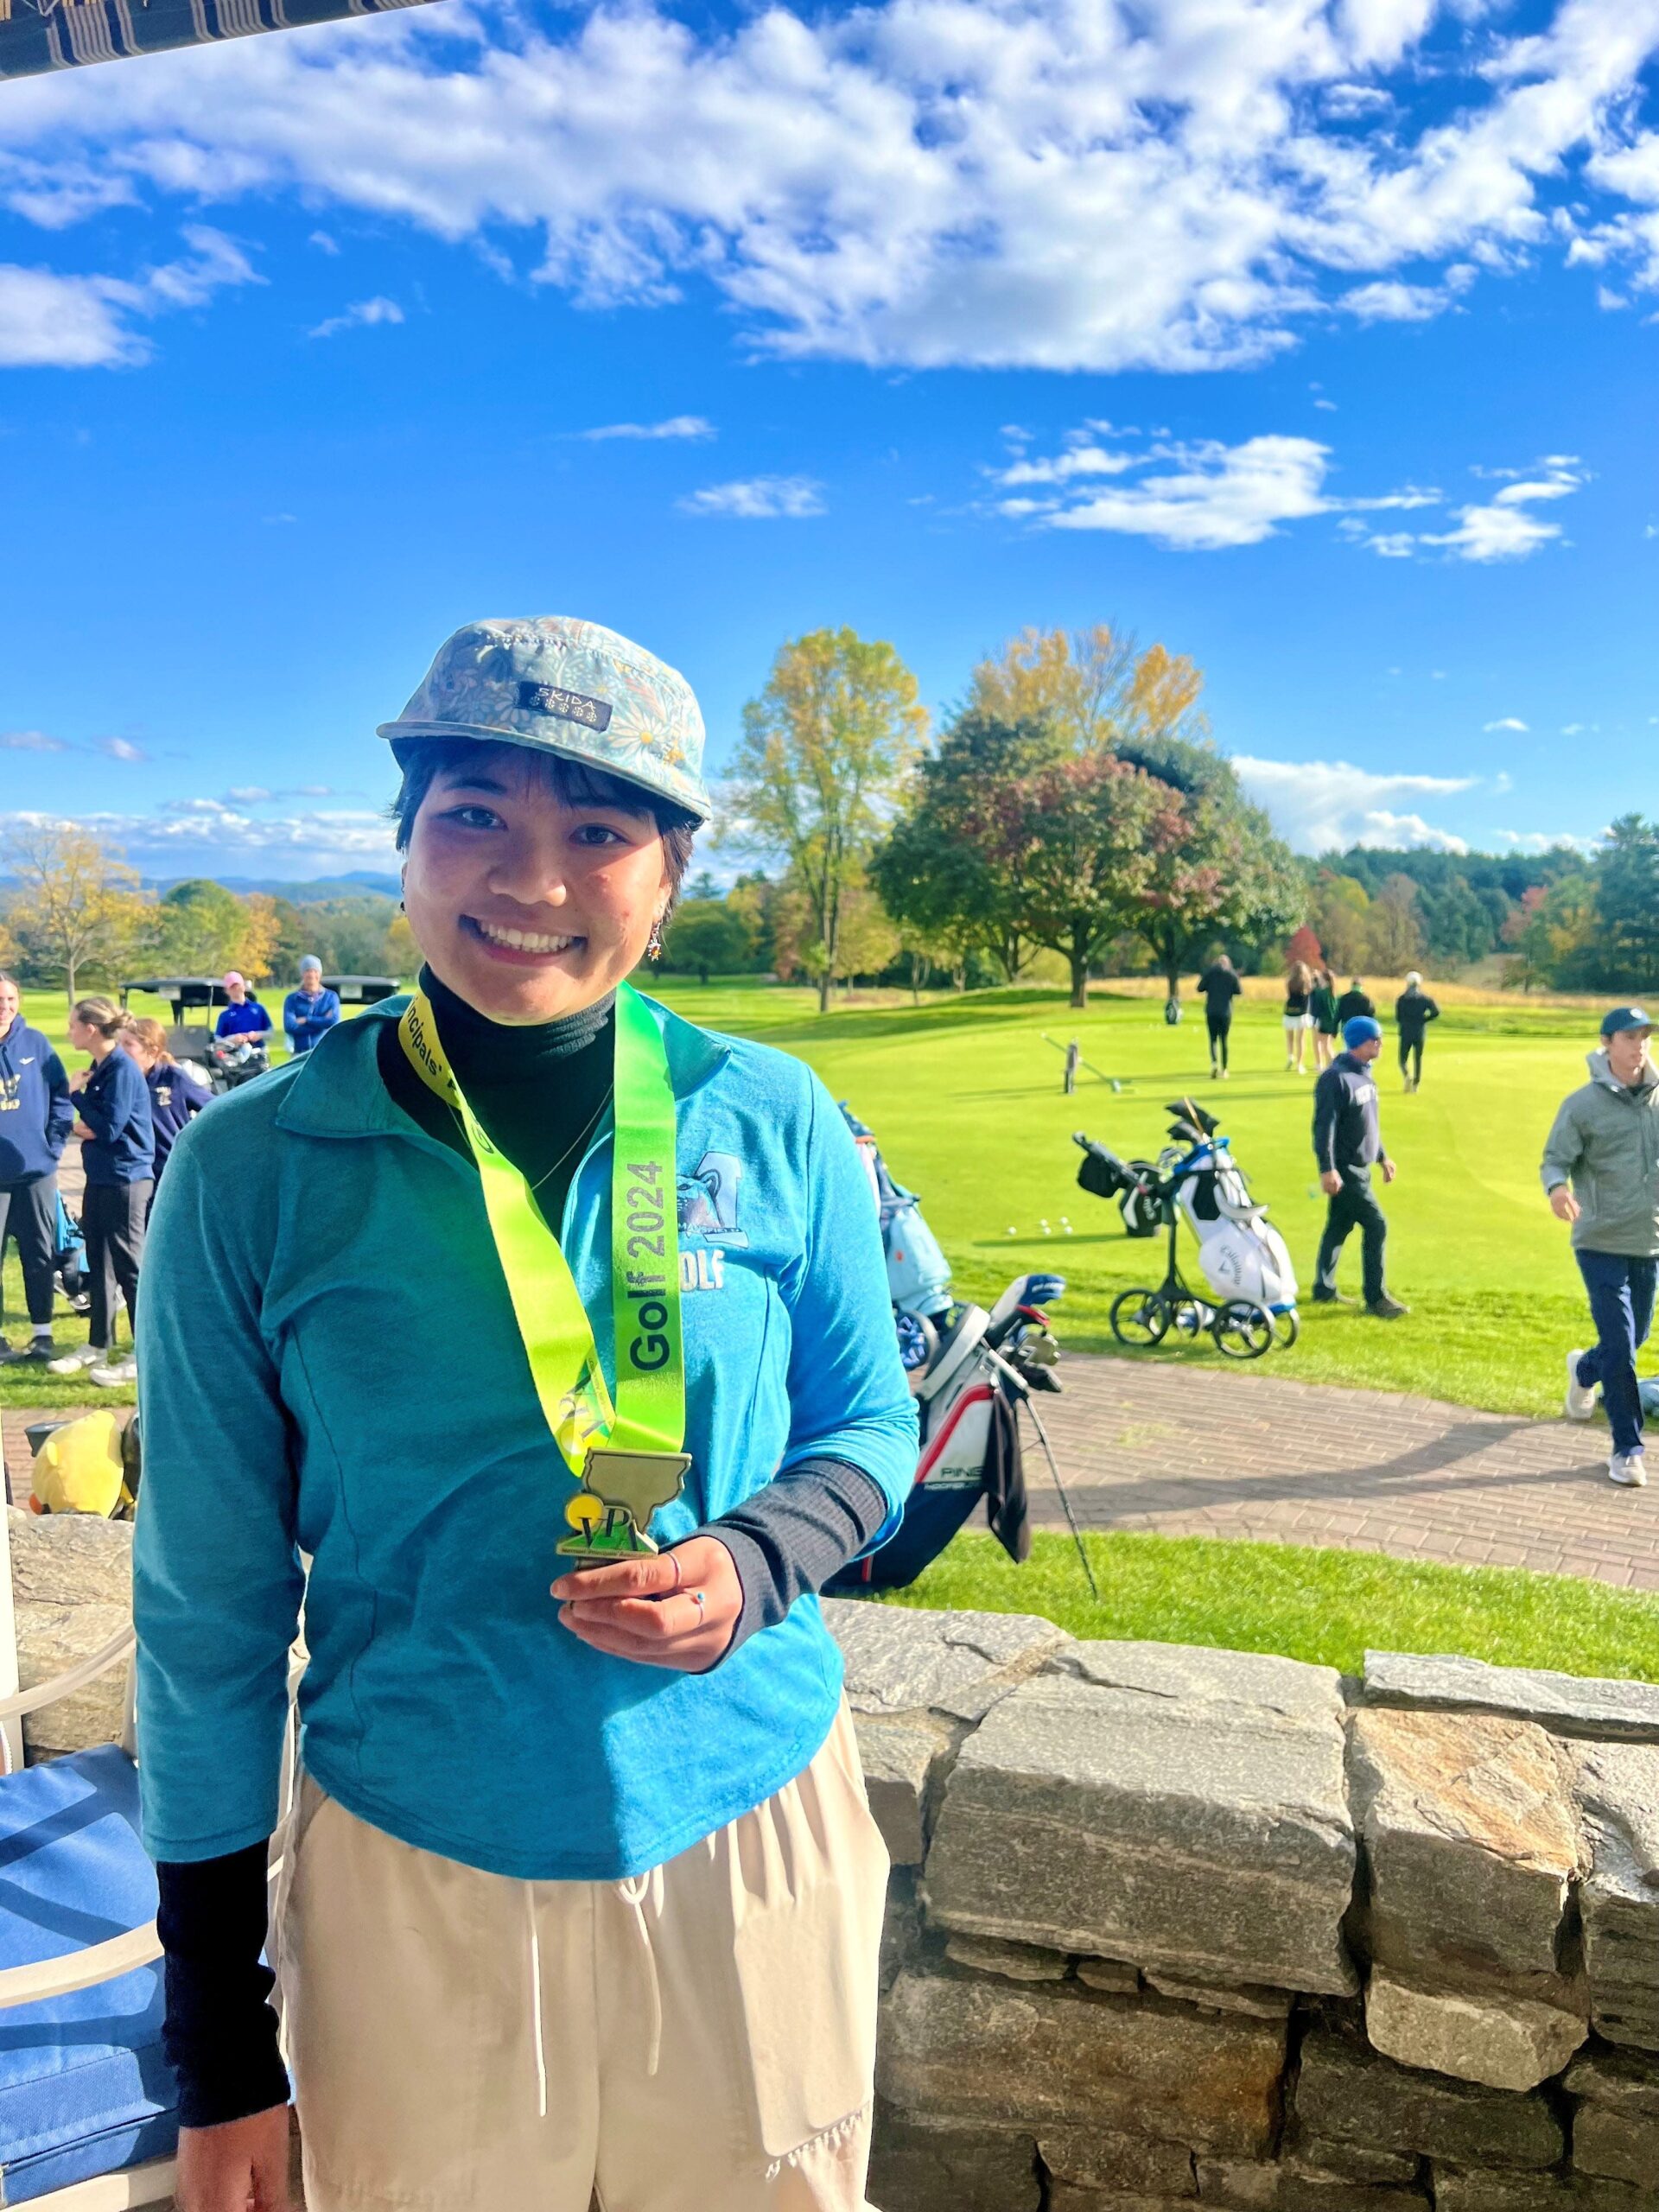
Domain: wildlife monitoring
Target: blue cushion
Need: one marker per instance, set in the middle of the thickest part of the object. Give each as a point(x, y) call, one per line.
point(84, 2087)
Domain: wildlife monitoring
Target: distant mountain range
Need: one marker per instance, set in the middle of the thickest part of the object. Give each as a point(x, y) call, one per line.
point(359, 883)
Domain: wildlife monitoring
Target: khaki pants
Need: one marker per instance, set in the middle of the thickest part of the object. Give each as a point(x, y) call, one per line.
point(701, 2039)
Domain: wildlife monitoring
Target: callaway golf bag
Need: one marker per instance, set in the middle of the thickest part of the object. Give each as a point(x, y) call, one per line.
point(969, 1372)
point(1242, 1254)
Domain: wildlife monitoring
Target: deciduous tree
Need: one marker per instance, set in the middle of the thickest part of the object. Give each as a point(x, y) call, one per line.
point(1393, 929)
point(78, 907)
point(1337, 910)
point(1075, 837)
point(932, 871)
point(1217, 869)
point(708, 936)
point(1094, 687)
point(824, 755)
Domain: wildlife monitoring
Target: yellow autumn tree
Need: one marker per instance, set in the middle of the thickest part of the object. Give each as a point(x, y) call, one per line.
point(79, 905)
point(825, 750)
point(1093, 687)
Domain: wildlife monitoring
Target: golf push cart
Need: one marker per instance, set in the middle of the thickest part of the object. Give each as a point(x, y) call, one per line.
point(1246, 1265)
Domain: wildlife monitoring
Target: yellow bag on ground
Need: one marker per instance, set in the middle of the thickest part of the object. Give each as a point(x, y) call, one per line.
point(83, 1468)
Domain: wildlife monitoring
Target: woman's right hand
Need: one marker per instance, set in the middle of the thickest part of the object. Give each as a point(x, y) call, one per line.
point(241, 2166)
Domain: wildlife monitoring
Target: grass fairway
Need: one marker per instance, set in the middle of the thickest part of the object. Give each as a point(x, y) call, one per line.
point(1329, 1607)
point(965, 1098)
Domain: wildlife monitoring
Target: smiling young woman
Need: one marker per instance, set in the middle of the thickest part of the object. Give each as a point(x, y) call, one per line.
point(582, 1898)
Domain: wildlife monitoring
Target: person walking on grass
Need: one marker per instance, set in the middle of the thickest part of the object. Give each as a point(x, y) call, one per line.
point(118, 1150)
point(36, 1115)
point(1355, 1000)
point(1413, 1012)
point(582, 1901)
point(1601, 1174)
point(1322, 1005)
point(1348, 1144)
point(1220, 985)
point(1299, 985)
point(1073, 1059)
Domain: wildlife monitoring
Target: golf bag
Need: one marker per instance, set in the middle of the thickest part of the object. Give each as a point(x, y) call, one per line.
point(969, 1372)
point(1133, 1183)
point(918, 1274)
point(1242, 1254)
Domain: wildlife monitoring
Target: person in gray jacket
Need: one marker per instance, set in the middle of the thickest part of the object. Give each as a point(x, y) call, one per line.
point(1601, 1171)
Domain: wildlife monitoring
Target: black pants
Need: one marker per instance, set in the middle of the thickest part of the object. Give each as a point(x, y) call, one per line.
point(1218, 1026)
point(1411, 1056)
point(1354, 1206)
point(112, 1222)
point(28, 1211)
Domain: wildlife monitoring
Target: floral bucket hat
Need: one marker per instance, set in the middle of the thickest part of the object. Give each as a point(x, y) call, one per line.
point(558, 685)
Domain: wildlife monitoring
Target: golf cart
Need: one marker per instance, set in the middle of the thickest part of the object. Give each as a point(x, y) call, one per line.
point(226, 1066)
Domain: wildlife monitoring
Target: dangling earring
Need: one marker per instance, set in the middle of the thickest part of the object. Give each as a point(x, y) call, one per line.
point(654, 941)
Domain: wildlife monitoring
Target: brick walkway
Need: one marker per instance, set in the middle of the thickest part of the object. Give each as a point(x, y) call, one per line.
point(1182, 1452)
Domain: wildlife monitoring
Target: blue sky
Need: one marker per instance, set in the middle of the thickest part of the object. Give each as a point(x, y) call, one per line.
point(1318, 339)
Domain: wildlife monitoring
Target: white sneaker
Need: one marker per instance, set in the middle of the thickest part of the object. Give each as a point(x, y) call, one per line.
point(72, 1363)
point(1628, 1468)
point(1580, 1397)
point(110, 1375)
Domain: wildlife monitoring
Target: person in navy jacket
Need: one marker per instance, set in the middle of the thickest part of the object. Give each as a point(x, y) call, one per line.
point(176, 1096)
point(118, 1150)
point(311, 1012)
point(36, 1117)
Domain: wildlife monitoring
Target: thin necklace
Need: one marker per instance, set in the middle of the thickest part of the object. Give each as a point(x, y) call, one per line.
point(581, 1137)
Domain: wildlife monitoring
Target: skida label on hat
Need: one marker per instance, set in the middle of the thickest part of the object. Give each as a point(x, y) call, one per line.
point(569, 706)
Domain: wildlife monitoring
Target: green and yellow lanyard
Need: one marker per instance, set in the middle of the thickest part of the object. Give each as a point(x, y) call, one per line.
point(625, 1454)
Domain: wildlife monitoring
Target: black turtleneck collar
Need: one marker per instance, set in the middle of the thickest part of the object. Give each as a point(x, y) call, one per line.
point(482, 1050)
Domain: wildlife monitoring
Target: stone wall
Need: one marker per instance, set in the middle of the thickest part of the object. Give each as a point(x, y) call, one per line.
point(72, 1591)
point(1173, 1928)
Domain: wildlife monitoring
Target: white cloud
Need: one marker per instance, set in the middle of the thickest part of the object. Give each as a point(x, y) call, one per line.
point(47, 320)
point(1502, 528)
point(1078, 184)
point(205, 832)
point(757, 499)
point(1389, 300)
point(361, 315)
point(1504, 721)
point(35, 740)
point(677, 426)
point(1544, 840)
point(1214, 496)
point(1322, 806)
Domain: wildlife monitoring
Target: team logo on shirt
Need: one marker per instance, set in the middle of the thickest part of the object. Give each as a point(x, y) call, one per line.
point(708, 1214)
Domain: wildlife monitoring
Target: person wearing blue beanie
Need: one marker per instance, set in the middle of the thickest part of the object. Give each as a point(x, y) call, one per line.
point(1348, 1144)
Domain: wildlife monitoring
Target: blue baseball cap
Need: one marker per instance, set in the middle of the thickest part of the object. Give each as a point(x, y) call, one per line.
point(1625, 1017)
point(1360, 1029)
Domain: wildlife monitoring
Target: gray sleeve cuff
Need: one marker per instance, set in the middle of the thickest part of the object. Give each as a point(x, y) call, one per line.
point(793, 1535)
